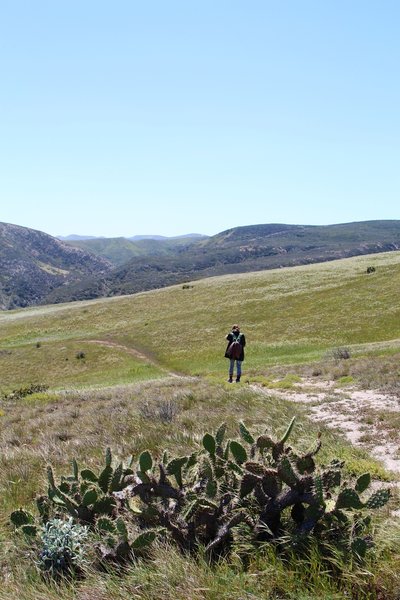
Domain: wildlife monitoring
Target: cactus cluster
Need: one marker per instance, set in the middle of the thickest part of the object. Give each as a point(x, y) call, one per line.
point(258, 485)
point(22, 392)
point(85, 495)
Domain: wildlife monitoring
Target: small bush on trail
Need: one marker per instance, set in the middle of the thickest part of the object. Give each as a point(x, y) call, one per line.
point(339, 354)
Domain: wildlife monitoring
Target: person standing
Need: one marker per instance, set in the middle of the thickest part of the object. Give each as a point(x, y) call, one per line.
point(235, 352)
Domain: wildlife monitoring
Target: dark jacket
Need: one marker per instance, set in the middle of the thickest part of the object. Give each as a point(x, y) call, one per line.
point(241, 339)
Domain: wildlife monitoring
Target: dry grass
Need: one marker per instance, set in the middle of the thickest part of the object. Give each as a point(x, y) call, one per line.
point(169, 575)
point(55, 428)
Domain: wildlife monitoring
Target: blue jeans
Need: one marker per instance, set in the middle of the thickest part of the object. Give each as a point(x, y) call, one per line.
point(238, 367)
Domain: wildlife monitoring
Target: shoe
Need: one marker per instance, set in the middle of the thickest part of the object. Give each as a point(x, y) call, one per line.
point(230, 380)
point(237, 379)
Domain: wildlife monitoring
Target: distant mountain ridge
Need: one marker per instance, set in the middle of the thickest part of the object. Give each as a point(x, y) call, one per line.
point(37, 268)
point(121, 250)
point(135, 238)
point(239, 250)
point(75, 237)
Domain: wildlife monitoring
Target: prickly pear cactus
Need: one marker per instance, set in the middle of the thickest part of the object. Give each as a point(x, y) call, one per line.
point(258, 484)
point(348, 498)
point(378, 499)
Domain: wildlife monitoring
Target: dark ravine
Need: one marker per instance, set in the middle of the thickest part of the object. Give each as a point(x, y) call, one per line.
point(33, 263)
point(39, 269)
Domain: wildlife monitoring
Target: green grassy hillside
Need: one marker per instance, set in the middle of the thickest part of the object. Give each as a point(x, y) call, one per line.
point(147, 372)
point(289, 316)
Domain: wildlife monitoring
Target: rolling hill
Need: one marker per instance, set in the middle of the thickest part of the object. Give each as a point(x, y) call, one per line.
point(239, 250)
point(289, 315)
point(39, 269)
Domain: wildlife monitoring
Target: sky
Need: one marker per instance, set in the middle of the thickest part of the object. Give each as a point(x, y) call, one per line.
point(172, 117)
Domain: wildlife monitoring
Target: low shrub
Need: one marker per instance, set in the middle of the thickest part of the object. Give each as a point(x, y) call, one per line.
point(62, 549)
point(164, 410)
point(338, 354)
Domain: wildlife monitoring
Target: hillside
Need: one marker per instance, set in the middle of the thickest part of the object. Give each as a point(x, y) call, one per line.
point(33, 263)
point(239, 250)
point(290, 315)
point(129, 374)
point(39, 269)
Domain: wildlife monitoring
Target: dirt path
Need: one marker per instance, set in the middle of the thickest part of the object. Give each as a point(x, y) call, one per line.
point(137, 354)
point(368, 419)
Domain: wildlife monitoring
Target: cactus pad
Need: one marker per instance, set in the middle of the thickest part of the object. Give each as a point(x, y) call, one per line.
point(378, 499)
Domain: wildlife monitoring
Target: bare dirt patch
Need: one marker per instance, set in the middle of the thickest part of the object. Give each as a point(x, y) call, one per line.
point(368, 419)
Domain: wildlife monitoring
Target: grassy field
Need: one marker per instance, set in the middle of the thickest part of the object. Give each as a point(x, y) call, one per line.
point(290, 316)
point(152, 376)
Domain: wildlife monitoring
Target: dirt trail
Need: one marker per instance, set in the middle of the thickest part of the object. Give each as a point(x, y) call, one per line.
point(366, 417)
point(137, 354)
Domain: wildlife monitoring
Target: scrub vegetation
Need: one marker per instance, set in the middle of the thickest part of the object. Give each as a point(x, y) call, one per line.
point(151, 377)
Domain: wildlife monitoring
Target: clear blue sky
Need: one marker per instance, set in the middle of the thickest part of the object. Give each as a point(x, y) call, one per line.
point(171, 117)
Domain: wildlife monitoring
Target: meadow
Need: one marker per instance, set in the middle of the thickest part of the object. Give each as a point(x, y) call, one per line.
point(147, 372)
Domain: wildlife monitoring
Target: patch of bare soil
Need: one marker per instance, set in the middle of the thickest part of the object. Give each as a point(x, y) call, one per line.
point(368, 419)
